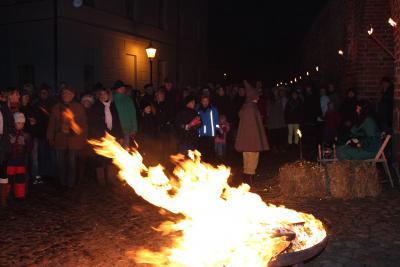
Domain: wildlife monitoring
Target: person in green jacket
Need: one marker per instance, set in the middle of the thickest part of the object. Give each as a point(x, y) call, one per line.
point(126, 112)
point(365, 138)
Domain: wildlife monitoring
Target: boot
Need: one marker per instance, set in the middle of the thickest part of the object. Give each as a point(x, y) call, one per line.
point(248, 179)
point(3, 192)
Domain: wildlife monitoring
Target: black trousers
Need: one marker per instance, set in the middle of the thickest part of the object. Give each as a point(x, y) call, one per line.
point(206, 147)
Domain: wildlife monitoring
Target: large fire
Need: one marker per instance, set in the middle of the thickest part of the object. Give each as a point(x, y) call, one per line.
point(221, 225)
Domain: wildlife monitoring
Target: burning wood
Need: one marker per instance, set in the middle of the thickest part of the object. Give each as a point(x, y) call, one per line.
point(221, 225)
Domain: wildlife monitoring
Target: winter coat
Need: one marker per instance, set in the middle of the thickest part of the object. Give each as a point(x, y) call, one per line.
point(21, 145)
point(251, 135)
point(275, 115)
point(368, 135)
point(164, 122)
point(348, 110)
point(237, 104)
point(223, 105)
point(42, 112)
point(312, 108)
point(148, 125)
point(59, 135)
point(8, 125)
point(385, 111)
point(293, 111)
point(186, 136)
point(209, 122)
point(97, 121)
point(126, 112)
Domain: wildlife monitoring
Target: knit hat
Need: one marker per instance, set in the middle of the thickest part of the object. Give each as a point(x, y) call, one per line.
point(19, 117)
point(251, 93)
point(88, 98)
point(188, 99)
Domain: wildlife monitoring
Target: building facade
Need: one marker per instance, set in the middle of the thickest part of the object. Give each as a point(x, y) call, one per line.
point(87, 41)
point(344, 24)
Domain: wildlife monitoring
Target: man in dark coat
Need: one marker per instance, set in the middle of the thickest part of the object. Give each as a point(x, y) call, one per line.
point(187, 122)
point(251, 138)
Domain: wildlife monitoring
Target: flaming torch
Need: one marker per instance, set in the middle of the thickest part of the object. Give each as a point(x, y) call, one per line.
point(298, 132)
point(379, 43)
point(218, 225)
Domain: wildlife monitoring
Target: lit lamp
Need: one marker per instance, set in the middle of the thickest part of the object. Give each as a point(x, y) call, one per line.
point(151, 54)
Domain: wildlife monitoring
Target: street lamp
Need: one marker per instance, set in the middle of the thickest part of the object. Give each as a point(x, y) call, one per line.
point(151, 54)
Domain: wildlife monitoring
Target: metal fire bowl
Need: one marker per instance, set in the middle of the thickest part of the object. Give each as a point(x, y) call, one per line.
point(298, 257)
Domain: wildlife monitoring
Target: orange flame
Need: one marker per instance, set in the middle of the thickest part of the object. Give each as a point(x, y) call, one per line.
point(69, 115)
point(222, 226)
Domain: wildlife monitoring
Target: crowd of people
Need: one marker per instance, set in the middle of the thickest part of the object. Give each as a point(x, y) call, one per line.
point(44, 136)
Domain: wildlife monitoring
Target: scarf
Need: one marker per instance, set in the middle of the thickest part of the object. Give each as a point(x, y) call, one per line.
point(108, 116)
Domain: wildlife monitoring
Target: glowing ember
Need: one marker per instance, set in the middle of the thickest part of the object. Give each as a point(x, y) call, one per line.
point(69, 116)
point(371, 31)
point(392, 22)
point(221, 225)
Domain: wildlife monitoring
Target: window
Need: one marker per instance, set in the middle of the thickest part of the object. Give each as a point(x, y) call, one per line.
point(130, 9)
point(26, 74)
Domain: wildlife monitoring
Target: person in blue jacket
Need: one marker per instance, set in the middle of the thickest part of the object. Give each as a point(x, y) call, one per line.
point(209, 127)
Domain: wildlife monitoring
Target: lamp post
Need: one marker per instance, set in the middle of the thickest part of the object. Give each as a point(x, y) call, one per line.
point(151, 54)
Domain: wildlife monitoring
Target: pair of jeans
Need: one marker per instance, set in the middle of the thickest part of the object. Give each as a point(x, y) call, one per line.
point(66, 166)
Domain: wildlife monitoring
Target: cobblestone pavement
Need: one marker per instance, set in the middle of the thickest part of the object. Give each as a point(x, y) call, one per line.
point(94, 226)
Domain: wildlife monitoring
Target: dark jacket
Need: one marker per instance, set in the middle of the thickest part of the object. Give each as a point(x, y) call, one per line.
point(348, 110)
point(60, 135)
point(97, 121)
point(184, 117)
point(312, 108)
point(251, 135)
point(385, 111)
point(8, 125)
point(41, 111)
point(162, 117)
point(293, 111)
point(223, 105)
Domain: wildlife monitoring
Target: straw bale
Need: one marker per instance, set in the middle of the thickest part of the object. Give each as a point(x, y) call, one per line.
point(353, 179)
point(302, 179)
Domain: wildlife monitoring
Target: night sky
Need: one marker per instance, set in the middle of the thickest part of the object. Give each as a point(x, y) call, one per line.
point(258, 39)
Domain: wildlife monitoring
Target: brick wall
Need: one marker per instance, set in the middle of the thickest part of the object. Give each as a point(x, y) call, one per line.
point(395, 14)
point(344, 25)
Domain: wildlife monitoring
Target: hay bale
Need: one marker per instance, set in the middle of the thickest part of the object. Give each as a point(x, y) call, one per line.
point(302, 179)
point(366, 180)
point(353, 179)
point(339, 179)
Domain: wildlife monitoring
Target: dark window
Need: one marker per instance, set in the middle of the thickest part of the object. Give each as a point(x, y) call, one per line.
point(26, 74)
point(130, 9)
